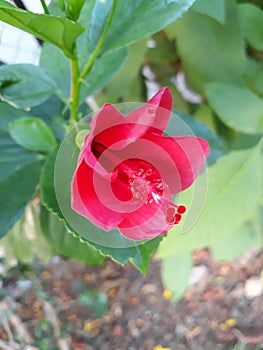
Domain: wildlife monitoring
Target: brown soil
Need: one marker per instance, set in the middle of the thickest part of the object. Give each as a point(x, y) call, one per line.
point(40, 308)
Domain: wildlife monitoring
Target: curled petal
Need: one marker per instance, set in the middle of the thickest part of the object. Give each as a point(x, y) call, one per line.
point(155, 113)
point(109, 127)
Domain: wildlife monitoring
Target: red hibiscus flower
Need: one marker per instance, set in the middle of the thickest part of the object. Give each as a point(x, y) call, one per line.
point(128, 170)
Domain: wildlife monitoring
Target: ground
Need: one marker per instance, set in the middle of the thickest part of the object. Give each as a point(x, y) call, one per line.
point(46, 307)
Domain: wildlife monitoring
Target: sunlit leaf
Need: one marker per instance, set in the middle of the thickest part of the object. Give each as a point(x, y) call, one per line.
point(237, 107)
point(59, 31)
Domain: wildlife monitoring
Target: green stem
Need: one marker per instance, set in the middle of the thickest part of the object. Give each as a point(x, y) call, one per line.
point(45, 8)
point(77, 77)
point(95, 53)
point(75, 89)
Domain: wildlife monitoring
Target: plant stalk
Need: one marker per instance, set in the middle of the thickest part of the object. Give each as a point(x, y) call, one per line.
point(75, 89)
point(45, 8)
point(77, 77)
point(95, 53)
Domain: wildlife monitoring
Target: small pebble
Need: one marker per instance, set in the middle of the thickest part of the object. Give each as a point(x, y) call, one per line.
point(198, 274)
point(149, 288)
point(253, 287)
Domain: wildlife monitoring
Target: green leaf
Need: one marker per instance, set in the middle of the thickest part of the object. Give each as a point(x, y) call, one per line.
point(33, 133)
point(57, 8)
point(240, 141)
point(9, 114)
point(65, 243)
point(204, 114)
point(176, 272)
point(254, 76)
point(237, 107)
point(234, 191)
point(56, 30)
point(251, 19)
point(130, 22)
point(142, 257)
point(25, 240)
point(61, 3)
point(98, 302)
point(50, 108)
point(47, 190)
point(25, 85)
point(139, 255)
point(161, 60)
point(73, 8)
point(58, 68)
point(237, 242)
point(212, 8)
point(209, 50)
point(19, 176)
point(181, 124)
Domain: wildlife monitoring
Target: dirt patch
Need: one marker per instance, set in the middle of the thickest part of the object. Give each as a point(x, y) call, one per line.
point(41, 307)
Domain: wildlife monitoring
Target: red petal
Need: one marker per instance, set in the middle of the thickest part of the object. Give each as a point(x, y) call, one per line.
point(85, 200)
point(107, 117)
point(179, 159)
point(110, 129)
point(155, 113)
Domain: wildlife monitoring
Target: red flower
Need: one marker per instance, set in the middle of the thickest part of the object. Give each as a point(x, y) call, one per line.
point(127, 170)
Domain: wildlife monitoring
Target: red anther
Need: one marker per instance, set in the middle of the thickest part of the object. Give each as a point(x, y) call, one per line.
point(169, 219)
point(177, 218)
point(181, 209)
point(170, 211)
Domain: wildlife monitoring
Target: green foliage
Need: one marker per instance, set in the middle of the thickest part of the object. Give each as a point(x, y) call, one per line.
point(19, 176)
point(251, 19)
point(138, 255)
point(212, 8)
point(130, 20)
point(26, 239)
point(73, 8)
point(64, 243)
point(9, 114)
point(25, 85)
point(103, 70)
point(254, 76)
point(56, 30)
point(210, 50)
point(190, 126)
point(176, 273)
point(237, 107)
point(245, 236)
point(33, 133)
point(47, 190)
point(58, 67)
